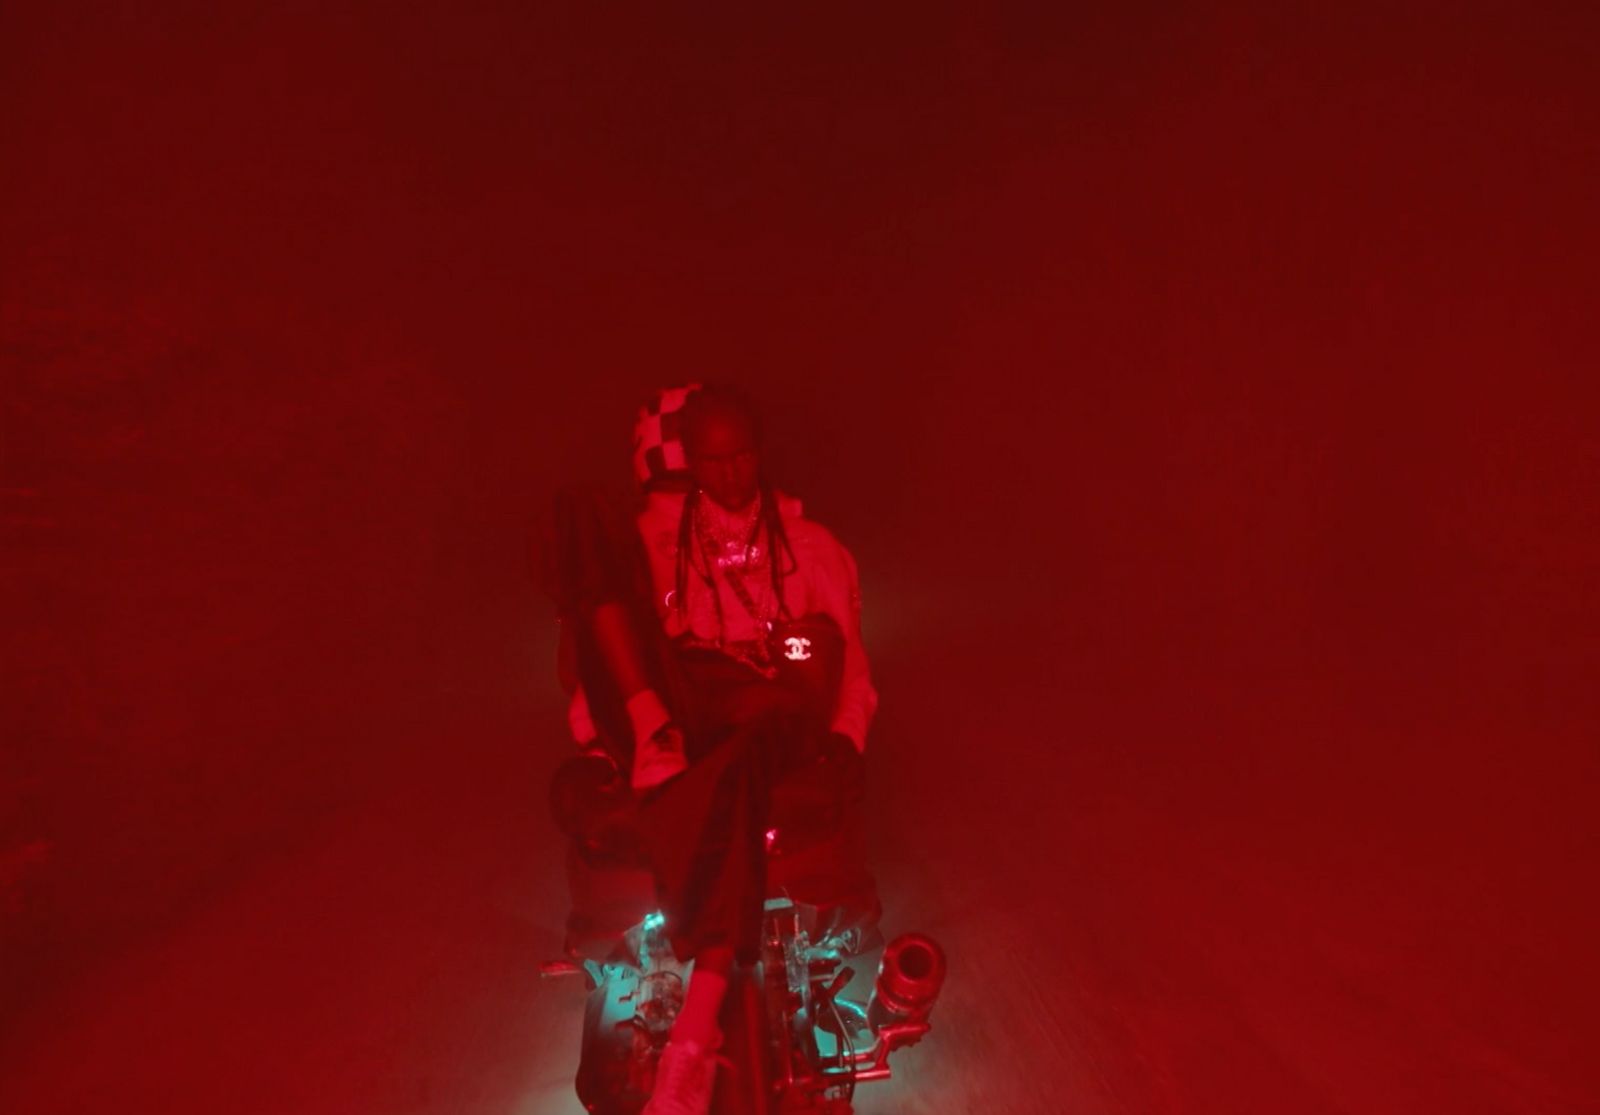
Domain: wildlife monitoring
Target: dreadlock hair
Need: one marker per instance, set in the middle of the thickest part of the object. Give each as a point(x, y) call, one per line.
point(721, 401)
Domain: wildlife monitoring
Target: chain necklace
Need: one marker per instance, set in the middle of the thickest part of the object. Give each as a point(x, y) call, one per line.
point(733, 554)
point(730, 545)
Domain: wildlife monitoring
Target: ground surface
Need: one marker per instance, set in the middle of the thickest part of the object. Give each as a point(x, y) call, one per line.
point(1114, 948)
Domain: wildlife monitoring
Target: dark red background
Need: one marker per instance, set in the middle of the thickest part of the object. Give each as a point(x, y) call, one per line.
point(1207, 398)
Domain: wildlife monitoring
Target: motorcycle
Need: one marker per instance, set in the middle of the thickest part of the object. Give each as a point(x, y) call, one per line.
point(794, 1041)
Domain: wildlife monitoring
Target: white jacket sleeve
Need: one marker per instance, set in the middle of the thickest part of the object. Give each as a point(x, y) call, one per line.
point(838, 589)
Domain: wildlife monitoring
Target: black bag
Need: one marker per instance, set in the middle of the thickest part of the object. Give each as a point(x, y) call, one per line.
point(809, 655)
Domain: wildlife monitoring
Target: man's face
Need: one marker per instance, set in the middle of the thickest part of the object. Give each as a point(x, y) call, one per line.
point(724, 460)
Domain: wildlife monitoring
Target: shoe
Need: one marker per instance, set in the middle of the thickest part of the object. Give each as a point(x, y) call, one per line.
point(686, 1075)
point(658, 758)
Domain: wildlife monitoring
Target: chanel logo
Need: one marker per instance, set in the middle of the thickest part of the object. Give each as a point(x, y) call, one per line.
point(797, 649)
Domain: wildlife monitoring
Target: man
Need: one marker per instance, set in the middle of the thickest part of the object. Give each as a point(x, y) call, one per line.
point(722, 676)
point(731, 562)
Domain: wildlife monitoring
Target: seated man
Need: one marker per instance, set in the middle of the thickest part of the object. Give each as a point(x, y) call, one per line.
point(709, 641)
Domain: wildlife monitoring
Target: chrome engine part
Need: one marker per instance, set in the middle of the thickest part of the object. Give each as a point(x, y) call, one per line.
point(797, 1044)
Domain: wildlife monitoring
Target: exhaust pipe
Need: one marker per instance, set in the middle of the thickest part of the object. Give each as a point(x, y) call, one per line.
point(909, 978)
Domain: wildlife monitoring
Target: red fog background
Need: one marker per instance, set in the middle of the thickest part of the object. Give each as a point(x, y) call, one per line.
point(1206, 397)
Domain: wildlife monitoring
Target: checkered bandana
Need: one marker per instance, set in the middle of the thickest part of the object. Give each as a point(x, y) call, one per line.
point(657, 440)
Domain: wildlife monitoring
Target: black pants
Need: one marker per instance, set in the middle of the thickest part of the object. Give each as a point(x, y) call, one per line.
point(705, 831)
